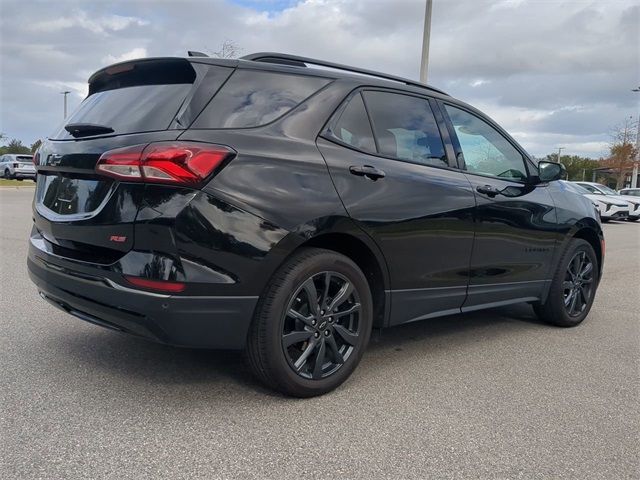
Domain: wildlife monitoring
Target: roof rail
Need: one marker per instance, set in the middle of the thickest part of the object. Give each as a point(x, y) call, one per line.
point(298, 61)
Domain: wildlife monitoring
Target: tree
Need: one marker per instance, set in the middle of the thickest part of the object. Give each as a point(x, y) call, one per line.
point(578, 168)
point(36, 145)
point(228, 49)
point(15, 146)
point(622, 151)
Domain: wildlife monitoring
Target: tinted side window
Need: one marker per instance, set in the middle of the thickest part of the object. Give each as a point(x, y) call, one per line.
point(352, 126)
point(485, 150)
point(405, 128)
point(252, 98)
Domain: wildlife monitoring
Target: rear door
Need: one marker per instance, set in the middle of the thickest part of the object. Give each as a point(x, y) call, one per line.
point(395, 180)
point(86, 215)
point(515, 233)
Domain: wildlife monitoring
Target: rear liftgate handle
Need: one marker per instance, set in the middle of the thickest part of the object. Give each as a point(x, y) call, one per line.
point(368, 171)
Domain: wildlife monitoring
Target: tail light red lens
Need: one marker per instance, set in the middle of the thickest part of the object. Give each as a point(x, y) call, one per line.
point(158, 285)
point(181, 163)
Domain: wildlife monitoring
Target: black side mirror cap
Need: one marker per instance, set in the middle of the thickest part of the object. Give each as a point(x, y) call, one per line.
point(550, 171)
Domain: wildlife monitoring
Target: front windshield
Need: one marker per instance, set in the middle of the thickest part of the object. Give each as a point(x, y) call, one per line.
point(574, 187)
point(607, 190)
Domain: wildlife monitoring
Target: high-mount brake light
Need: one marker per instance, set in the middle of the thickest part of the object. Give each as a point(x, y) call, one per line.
point(175, 163)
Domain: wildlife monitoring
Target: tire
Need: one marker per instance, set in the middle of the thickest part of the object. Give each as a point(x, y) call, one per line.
point(565, 286)
point(285, 308)
point(7, 173)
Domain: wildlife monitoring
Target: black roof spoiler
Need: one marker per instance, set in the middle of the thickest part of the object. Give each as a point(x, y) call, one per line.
point(298, 61)
point(193, 53)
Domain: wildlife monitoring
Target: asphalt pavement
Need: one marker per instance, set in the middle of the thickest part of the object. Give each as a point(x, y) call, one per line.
point(494, 394)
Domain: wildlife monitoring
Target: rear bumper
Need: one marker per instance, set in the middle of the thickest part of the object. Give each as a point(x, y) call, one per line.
point(26, 175)
point(190, 321)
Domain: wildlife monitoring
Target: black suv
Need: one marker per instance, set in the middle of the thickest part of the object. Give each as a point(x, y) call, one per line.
point(269, 205)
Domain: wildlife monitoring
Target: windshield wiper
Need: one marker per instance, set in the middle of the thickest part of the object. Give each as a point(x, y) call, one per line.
point(87, 129)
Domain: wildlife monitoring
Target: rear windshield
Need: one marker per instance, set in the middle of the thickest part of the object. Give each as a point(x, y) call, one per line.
point(143, 108)
point(251, 98)
point(138, 97)
point(24, 158)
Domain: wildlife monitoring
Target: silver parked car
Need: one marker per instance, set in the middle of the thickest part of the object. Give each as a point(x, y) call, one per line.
point(18, 166)
point(599, 189)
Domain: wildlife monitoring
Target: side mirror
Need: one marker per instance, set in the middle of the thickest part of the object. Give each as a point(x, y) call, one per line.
point(550, 171)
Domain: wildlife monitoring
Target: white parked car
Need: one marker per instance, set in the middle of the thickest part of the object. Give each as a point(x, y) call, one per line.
point(634, 192)
point(18, 166)
point(608, 208)
point(604, 191)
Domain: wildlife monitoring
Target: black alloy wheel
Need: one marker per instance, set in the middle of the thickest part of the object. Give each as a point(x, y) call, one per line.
point(321, 325)
point(578, 284)
point(573, 286)
point(312, 324)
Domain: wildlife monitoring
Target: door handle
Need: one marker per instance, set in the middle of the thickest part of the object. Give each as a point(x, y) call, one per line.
point(368, 171)
point(487, 190)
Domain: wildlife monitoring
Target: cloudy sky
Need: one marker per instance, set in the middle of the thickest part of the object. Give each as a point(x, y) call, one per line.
point(553, 73)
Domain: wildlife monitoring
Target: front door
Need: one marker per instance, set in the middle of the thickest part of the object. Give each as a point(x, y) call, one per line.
point(396, 182)
point(515, 220)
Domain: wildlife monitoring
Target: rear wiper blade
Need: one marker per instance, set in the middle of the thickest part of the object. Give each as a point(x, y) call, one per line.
point(87, 129)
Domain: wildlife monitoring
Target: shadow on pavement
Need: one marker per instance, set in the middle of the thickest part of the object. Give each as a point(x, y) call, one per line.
point(141, 361)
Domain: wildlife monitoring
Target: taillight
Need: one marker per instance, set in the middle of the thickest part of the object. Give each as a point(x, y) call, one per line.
point(16, 165)
point(182, 163)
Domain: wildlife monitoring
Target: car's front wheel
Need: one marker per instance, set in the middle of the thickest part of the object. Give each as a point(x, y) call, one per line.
point(573, 286)
point(311, 325)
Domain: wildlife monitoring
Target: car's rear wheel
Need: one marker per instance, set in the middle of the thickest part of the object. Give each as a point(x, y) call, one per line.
point(573, 286)
point(311, 325)
point(7, 173)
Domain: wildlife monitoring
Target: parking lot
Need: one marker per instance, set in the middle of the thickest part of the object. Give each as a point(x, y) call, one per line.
point(490, 395)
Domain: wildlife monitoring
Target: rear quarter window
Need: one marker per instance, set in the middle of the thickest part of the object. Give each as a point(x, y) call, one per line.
point(251, 98)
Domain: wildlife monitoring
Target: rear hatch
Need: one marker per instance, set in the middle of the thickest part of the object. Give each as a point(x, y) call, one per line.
point(24, 162)
point(89, 216)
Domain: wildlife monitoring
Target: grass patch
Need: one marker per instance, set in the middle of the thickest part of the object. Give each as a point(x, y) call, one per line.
point(15, 183)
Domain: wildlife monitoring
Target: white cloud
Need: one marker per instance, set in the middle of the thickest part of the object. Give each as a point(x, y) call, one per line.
point(479, 82)
point(80, 18)
point(551, 72)
point(79, 89)
point(138, 52)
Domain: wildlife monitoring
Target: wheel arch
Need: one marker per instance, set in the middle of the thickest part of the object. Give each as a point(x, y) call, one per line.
point(368, 260)
point(596, 241)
